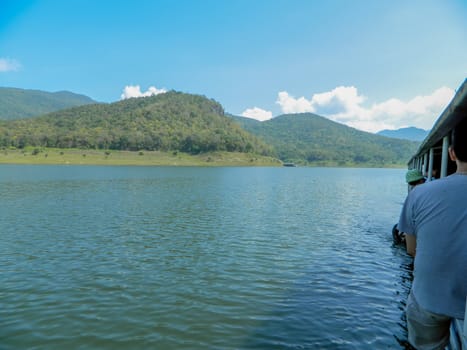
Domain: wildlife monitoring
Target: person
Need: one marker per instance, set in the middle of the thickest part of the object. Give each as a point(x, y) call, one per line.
point(434, 218)
point(413, 177)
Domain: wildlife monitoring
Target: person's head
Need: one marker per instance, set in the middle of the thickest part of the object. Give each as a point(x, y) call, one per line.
point(414, 177)
point(459, 142)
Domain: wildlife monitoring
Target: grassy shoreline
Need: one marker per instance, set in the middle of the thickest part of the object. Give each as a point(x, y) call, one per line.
point(72, 156)
point(55, 156)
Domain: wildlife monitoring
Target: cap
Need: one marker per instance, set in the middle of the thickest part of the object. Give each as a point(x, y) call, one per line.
point(413, 175)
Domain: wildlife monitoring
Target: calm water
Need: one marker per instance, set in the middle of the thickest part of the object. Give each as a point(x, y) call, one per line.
point(200, 258)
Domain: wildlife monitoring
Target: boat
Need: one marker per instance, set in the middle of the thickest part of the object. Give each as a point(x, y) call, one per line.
point(433, 160)
point(432, 156)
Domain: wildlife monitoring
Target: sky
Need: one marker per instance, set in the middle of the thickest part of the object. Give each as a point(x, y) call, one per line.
point(369, 64)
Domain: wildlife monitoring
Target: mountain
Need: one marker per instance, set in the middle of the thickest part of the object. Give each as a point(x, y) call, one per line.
point(20, 103)
point(172, 121)
point(194, 124)
point(311, 139)
point(411, 133)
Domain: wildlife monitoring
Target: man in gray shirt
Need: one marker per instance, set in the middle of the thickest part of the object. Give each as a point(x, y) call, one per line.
point(434, 218)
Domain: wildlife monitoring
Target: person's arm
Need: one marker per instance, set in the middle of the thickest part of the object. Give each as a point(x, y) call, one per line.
point(411, 244)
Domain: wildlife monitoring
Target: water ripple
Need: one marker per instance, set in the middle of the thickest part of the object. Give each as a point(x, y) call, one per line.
point(193, 258)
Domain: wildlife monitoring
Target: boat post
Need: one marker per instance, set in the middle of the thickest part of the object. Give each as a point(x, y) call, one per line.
point(444, 157)
point(430, 164)
point(425, 164)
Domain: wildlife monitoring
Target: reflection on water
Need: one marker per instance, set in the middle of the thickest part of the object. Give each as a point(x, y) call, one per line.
point(201, 258)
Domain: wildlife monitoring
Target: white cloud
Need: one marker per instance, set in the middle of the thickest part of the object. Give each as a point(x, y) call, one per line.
point(135, 91)
point(344, 104)
point(343, 99)
point(290, 104)
point(7, 65)
point(257, 113)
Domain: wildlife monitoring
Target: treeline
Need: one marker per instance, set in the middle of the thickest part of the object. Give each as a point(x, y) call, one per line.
point(166, 122)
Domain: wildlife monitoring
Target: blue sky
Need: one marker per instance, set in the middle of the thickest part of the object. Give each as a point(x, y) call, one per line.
point(368, 64)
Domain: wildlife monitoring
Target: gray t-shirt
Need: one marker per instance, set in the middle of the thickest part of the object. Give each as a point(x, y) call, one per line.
point(436, 213)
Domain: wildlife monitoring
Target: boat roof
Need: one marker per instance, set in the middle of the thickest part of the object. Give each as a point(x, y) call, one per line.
point(449, 118)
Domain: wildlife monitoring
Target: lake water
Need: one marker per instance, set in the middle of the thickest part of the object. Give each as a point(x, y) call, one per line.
point(201, 258)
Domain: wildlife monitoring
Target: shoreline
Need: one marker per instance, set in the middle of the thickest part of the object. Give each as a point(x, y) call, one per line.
point(56, 156)
point(73, 156)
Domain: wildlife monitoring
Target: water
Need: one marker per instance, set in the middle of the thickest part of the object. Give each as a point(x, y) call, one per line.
point(200, 258)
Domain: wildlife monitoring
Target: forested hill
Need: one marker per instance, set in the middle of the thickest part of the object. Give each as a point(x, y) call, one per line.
point(176, 121)
point(172, 121)
point(311, 139)
point(20, 103)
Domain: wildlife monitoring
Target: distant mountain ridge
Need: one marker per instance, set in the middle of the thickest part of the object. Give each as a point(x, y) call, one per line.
point(410, 133)
point(21, 103)
point(308, 138)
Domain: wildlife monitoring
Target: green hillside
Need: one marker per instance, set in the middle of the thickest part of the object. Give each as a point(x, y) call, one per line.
point(21, 103)
point(172, 121)
point(311, 139)
point(193, 124)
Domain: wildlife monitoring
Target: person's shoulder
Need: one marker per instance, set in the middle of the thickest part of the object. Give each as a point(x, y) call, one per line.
point(438, 185)
point(448, 180)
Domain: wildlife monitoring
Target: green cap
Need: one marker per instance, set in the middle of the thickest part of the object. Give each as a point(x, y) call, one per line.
point(413, 175)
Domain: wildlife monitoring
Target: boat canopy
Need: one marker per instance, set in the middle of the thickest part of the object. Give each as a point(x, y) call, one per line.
point(435, 144)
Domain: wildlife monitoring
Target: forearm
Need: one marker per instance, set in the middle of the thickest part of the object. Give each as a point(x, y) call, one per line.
point(411, 244)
